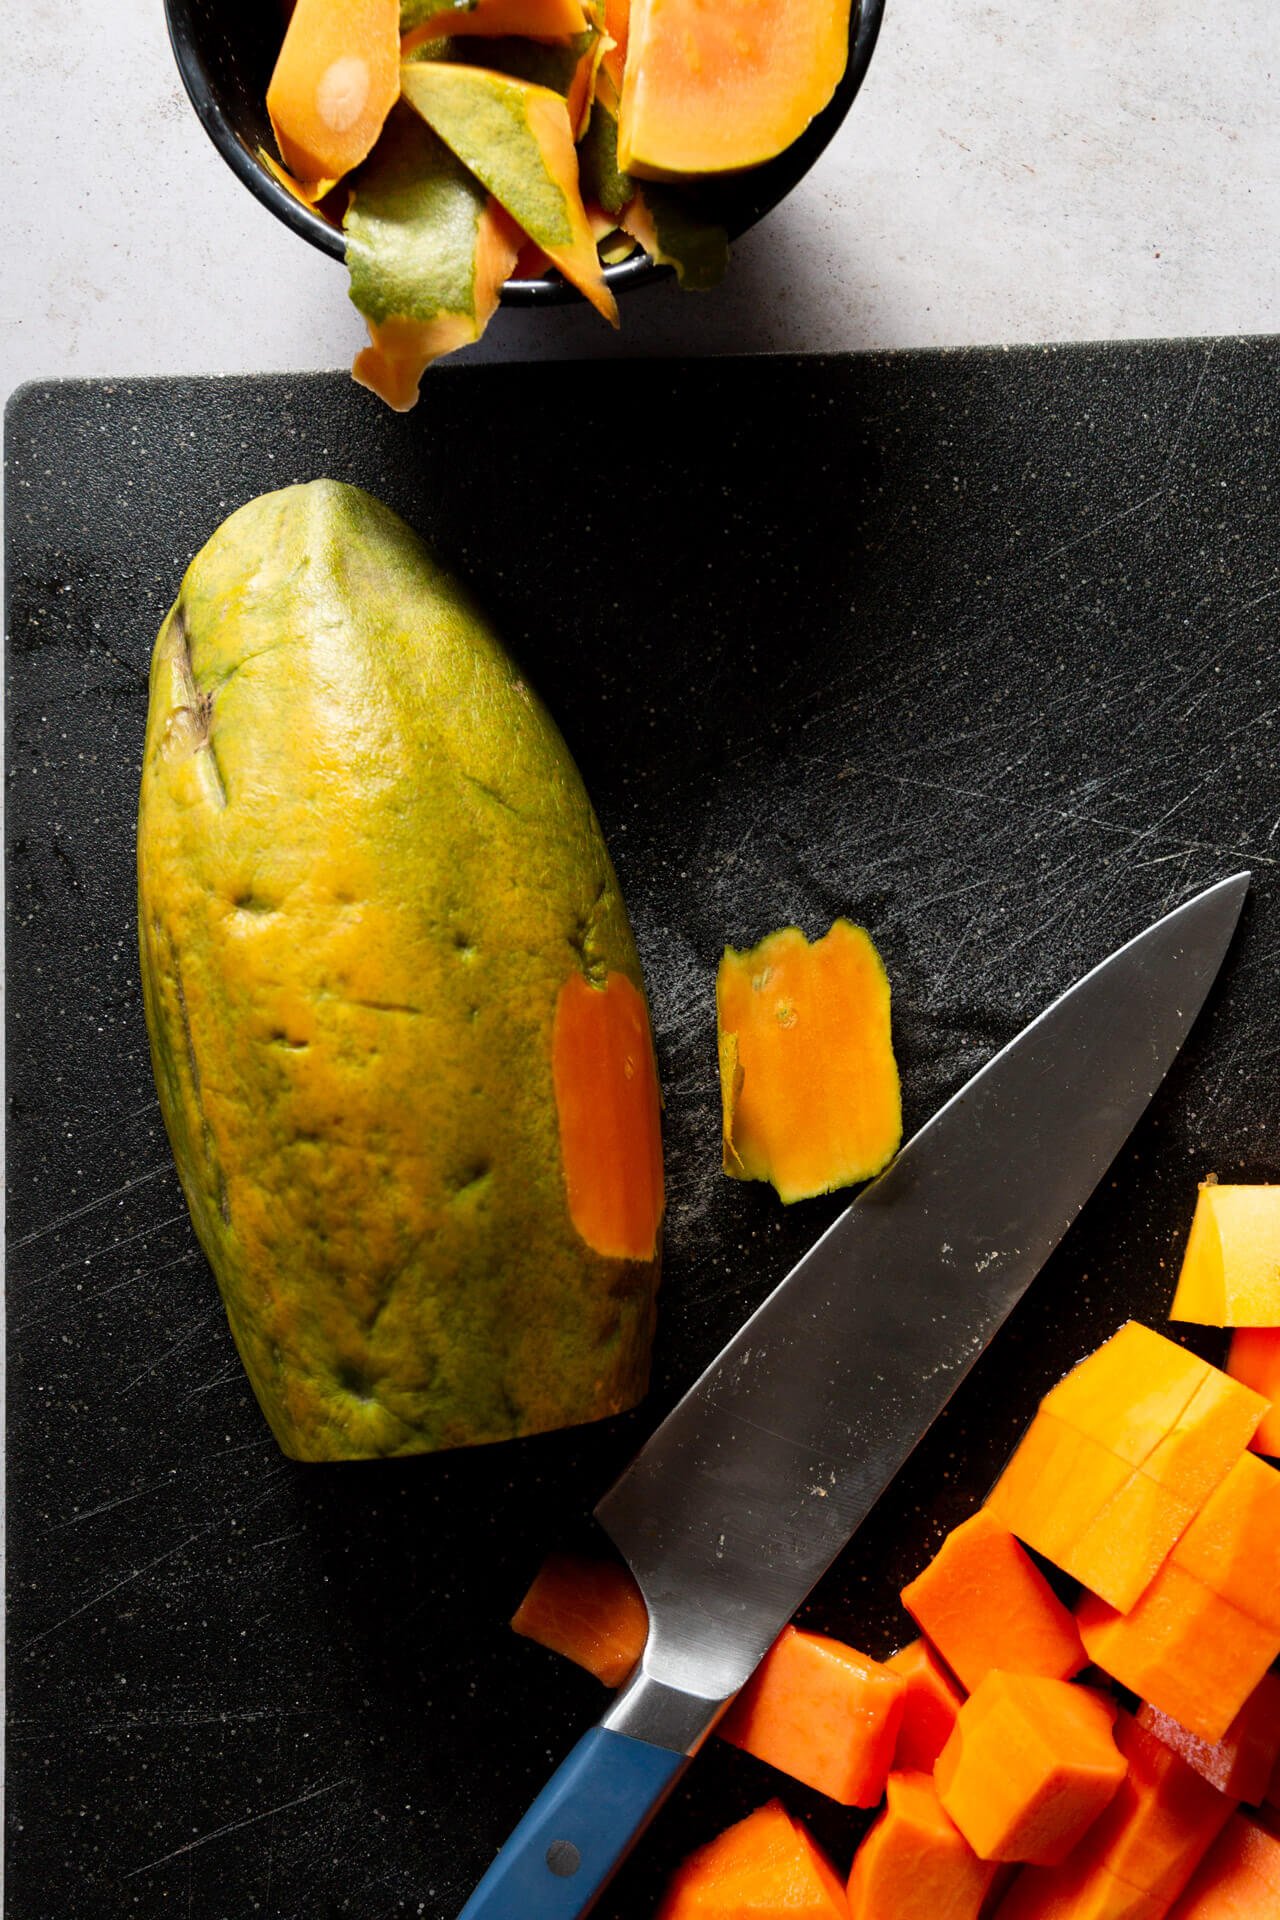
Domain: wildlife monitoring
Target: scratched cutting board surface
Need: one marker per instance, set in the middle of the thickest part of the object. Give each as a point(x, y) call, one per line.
point(980, 649)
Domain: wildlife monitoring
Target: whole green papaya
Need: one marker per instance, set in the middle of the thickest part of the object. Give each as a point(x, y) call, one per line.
point(396, 1013)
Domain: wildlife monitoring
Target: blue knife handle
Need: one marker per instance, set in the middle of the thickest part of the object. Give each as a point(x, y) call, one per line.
point(578, 1830)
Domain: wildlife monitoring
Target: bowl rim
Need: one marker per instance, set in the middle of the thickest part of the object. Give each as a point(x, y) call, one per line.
point(777, 177)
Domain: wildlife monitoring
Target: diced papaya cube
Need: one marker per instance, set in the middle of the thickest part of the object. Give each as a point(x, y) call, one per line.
point(764, 1868)
point(1030, 1765)
point(1230, 1273)
point(823, 1713)
point(1254, 1360)
point(1161, 1822)
point(1124, 1547)
point(1183, 1648)
point(928, 1711)
point(1238, 1879)
point(914, 1863)
point(984, 1603)
point(1242, 1762)
point(591, 1611)
point(1233, 1544)
point(1080, 1889)
point(1215, 1426)
point(1130, 1393)
point(1058, 1480)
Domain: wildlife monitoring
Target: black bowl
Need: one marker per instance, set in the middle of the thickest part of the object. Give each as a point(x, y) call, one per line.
point(226, 49)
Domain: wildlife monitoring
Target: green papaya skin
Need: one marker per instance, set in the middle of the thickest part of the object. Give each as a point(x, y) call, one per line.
point(366, 868)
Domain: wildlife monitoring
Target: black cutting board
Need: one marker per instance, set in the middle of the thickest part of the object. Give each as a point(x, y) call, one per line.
point(978, 648)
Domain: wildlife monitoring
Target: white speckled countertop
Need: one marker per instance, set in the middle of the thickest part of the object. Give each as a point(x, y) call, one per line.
point(1012, 171)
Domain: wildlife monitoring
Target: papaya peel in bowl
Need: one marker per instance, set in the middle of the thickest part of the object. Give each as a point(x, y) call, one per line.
point(226, 53)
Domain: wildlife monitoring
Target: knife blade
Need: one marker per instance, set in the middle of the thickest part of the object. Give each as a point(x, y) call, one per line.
point(761, 1474)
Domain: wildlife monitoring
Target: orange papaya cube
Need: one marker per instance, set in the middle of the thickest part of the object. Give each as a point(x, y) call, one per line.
point(1162, 1821)
point(591, 1611)
point(1233, 1544)
point(984, 1603)
point(764, 1868)
point(823, 1713)
point(929, 1709)
point(1218, 1422)
point(1030, 1765)
point(1123, 1548)
point(914, 1863)
point(1238, 1879)
point(1080, 1889)
point(1130, 1393)
point(1242, 1762)
point(1183, 1648)
point(1057, 1481)
point(808, 1084)
point(1230, 1275)
point(1254, 1360)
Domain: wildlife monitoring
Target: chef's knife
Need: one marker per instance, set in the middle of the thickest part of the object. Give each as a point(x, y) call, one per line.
point(758, 1478)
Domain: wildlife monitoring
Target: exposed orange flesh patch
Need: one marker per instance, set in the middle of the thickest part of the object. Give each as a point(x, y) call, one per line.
point(984, 1604)
point(591, 1611)
point(765, 1865)
point(1255, 1360)
point(491, 19)
point(401, 349)
point(617, 19)
point(1230, 1273)
point(709, 89)
point(808, 1083)
point(606, 1087)
point(1030, 1765)
point(336, 79)
point(823, 1713)
point(915, 1864)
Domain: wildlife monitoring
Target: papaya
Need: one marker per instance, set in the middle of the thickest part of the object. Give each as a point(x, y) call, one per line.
point(566, 67)
point(1254, 1359)
point(809, 1088)
point(668, 222)
point(542, 19)
point(428, 251)
point(367, 873)
point(336, 79)
point(517, 139)
point(713, 89)
point(1230, 1274)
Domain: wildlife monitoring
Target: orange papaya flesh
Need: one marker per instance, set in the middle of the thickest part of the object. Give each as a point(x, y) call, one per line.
point(1230, 1274)
point(422, 20)
point(983, 1603)
point(929, 1708)
point(1233, 1544)
point(617, 20)
point(823, 1713)
point(428, 251)
point(1239, 1879)
point(336, 79)
point(1080, 1889)
point(1182, 1647)
point(1162, 1821)
point(1241, 1764)
point(1085, 1509)
point(808, 1082)
point(712, 89)
point(1029, 1766)
point(914, 1863)
point(516, 139)
point(591, 1611)
point(606, 1088)
point(1254, 1360)
point(1220, 1419)
point(1131, 1393)
point(308, 194)
point(765, 1868)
